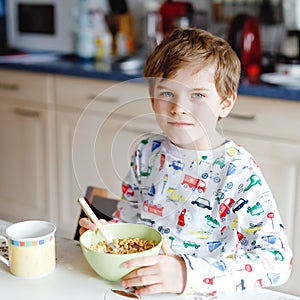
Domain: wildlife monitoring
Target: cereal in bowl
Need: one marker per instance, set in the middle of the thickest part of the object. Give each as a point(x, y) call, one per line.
point(124, 246)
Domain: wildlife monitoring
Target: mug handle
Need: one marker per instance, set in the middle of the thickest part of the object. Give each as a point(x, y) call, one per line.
point(3, 259)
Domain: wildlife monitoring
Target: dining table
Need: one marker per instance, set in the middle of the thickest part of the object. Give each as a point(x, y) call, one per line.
point(73, 278)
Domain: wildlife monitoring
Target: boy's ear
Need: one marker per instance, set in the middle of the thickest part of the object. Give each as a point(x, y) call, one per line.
point(227, 105)
point(152, 101)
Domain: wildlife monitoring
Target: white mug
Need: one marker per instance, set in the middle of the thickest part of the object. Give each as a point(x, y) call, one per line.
point(31, 248)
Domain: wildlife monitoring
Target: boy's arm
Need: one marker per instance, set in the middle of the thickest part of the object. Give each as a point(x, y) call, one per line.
point(262, 256)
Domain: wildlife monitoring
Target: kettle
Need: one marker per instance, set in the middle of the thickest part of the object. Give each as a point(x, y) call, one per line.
point(244, 37)
point(171, 11)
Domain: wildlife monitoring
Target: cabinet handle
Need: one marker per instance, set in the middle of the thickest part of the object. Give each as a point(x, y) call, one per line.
point(26, 112)
point(9, 86)
point(242, 117)
point(102, 99)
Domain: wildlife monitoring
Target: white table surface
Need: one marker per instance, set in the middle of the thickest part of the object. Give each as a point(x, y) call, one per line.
point(74, 279)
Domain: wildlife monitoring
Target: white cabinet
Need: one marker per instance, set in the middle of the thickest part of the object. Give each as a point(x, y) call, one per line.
point(268, 128)
point(27, 151)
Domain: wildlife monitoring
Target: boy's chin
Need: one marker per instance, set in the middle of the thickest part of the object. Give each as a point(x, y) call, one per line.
point(185, 144)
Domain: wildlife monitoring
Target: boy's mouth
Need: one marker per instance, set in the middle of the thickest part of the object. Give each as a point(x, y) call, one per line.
point(180, 124)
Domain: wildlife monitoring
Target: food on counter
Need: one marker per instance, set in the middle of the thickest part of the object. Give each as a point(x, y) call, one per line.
point(124, 246)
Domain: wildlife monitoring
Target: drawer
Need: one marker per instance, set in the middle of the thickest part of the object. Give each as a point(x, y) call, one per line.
point(26, 86)
point(111, 97)
point(268, 117)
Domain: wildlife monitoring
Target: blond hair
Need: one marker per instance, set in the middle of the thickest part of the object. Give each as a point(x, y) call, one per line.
point(196, 47)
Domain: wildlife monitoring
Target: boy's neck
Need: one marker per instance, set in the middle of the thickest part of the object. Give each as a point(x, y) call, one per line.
point(216, 140)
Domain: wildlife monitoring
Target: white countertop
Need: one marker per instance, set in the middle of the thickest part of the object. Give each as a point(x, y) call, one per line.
point(74, 279)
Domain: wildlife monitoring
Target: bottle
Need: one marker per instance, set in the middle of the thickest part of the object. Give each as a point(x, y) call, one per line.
point(85, 46)
point(103, 38)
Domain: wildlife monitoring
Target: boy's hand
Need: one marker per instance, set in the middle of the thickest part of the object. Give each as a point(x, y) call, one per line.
point(157, 274)
point(87, 224)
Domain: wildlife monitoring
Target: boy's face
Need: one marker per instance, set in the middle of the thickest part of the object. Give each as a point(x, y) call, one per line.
point(188, 106)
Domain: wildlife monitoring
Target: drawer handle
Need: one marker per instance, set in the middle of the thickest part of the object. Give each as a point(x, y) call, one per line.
point(103, 99)
point(26, 112)
point(9, 86)
point(242, 117)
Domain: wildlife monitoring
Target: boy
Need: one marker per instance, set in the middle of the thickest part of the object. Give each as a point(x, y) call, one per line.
point(204, 193)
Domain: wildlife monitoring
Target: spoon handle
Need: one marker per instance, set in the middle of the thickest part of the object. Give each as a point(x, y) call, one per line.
point(87, 209)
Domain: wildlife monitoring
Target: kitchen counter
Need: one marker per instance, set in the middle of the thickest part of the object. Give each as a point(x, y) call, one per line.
point(74, 67)
point(73, 279)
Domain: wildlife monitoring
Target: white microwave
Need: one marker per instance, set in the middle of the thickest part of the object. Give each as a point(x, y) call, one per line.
point(41, 25)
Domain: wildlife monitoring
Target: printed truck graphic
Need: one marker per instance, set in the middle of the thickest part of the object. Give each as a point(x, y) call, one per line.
point(225, 207)
point(194, 183)
point(153, 208)
point(128, 190)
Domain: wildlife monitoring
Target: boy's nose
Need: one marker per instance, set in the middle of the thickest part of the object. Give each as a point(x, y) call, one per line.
point(177, 108)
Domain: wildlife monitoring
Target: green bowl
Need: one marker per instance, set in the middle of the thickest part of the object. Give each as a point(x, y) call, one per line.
point(109, 266)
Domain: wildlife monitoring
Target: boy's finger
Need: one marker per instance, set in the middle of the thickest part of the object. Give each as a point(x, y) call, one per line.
point(86, 223)
point(166, 248)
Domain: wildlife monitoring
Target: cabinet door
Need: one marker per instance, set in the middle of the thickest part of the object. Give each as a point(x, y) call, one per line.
point(95, 151)
point(68, 189)
point(76, 169)
point(26, 165)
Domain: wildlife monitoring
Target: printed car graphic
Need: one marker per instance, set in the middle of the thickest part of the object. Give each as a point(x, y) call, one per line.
point(213, 223)
point(190, 244)
point(202, 202)
point(273, 277)
point(177, 165)
point(200, 234)
point(271, 239)
point(254, 180)
point(219, 264)
point(278, 255)
point(256, 209)
point(253, 228)
point(239, 205)
point(173, 196)
point(212, 246)
point(251, 256)
point(220, 162)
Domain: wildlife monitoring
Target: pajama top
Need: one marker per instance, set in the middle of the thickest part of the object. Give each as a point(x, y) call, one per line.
point(216, 210)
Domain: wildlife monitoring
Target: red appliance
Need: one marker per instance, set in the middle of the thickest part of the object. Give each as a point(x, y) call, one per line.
point(171, 11)
point(244, 37)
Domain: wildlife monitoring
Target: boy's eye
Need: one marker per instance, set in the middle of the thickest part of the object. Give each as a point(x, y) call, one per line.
point(197, 96)
point(166, 94)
